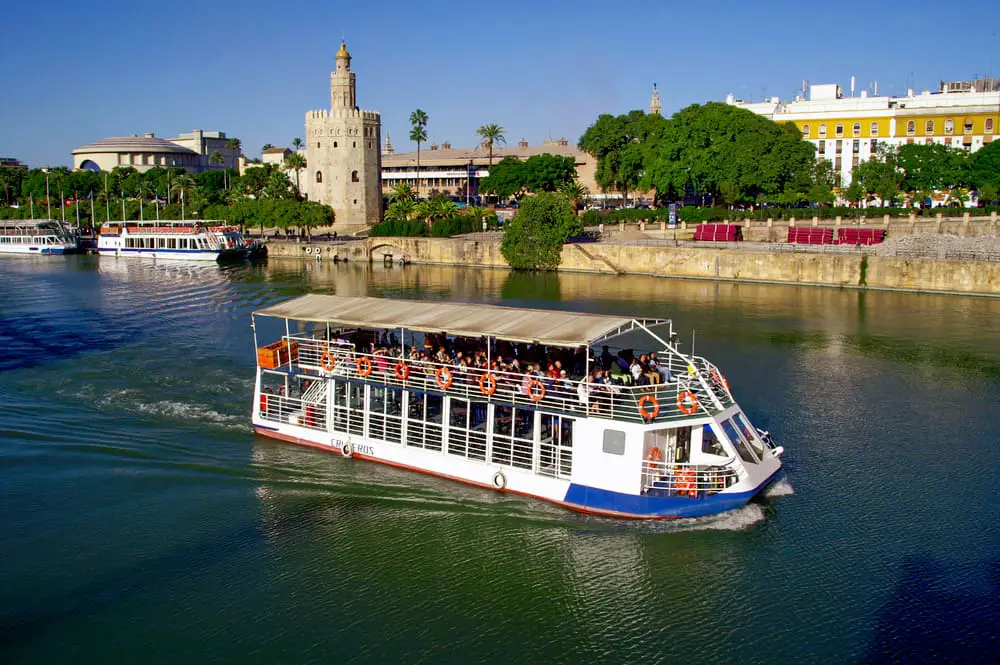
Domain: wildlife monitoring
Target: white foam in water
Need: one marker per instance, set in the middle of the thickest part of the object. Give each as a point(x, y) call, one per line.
point(192, 413)
point(780, 488)
point(732, 520)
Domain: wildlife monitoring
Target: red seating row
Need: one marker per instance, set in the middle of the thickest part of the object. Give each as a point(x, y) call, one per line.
point(719, 232)
point(810, 235)
point(852, 236)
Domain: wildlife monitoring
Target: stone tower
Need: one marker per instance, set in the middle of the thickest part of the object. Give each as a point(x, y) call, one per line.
point(654, 103)
point(343, 156)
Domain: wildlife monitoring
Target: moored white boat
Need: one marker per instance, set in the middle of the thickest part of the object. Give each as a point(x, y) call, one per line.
point(454, 395)
point(189, 240)
point(36, 236)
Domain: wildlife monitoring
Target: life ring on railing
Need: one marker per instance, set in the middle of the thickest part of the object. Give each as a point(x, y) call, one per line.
point(654, 455)
point(536, 390)
point(717, 377)
point(364, 366)
point(683, 400)
point(653, 412)
point(347, 450)
point(499, 480)
point(443, 378)
point(488, 384)
point(327, 361)
point(309, 250)
point(402, 371)
point(687, 482)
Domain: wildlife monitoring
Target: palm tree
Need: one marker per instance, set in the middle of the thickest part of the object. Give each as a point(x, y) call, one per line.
point(295, 162)
point(418, 133)
point(436, 209)
point(401, 210)
point(183, 184)
point(297, 143)
point(266, 146)
point(235, 145)
point(402, 192)
point(575, 191)
point(492, 134)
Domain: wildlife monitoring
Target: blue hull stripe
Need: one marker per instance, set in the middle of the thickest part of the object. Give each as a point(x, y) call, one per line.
point(646, 505)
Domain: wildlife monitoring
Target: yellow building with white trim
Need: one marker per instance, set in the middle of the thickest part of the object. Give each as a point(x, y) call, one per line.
point(848, 130)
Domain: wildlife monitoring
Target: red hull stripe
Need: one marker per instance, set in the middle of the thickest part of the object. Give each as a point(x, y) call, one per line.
point(272, 434)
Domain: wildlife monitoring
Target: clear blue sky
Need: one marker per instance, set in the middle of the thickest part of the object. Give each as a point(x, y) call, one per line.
point(74, 72)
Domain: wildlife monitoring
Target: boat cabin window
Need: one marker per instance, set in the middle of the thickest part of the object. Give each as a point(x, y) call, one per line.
point(423, 426)
point(674, 444)
point(513, 436)
point(742, 447)
point(750, 434)
point(614, 442)
point(710, 444)
point(467, 429)
point(555, 452)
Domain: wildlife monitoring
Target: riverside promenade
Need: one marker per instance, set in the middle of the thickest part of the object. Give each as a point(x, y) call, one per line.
point(836, 266)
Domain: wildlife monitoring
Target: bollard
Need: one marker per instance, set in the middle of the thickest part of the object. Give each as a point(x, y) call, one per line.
point(965, 217)
point(642, 225)
point(815, 220)
point(770, 222)
point(836, 221)
point(621, 226)
point(791, 221)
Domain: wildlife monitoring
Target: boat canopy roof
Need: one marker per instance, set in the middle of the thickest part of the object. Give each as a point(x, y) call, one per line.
point(549, 327)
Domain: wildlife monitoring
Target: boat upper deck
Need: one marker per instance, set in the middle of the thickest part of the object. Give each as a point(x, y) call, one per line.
point(496, 354)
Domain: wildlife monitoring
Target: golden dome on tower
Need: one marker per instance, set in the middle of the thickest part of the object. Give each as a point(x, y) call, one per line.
point(342, 53)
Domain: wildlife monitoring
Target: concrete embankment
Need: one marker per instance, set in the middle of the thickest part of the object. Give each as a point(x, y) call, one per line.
point(845, 270)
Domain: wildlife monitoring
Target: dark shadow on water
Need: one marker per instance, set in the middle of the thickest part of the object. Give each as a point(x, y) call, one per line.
point(531, 287)
point(31, 340)
point(928, 620)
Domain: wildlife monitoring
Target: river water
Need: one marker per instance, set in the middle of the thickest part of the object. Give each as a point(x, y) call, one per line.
point(142, 521)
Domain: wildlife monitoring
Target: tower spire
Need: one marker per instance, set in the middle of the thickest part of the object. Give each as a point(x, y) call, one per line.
point(654, 103)
point(388, 145)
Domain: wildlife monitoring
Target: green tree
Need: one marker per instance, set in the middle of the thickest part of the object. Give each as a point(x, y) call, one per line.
point(985, 166)
point(402, 192)
point(625, 146)
point(266, 146)
point(533, 240)
point(547, 172)
point(491, 134)
point(854, 192)
point(435, 210)
point(183, 185)
point(295, 162)
point(988, 193)
point(933, 167)
point(236, 146)
point(880, 176)
point(505, 179)
point(401, 210)
point(576, 192)
point(418, 134)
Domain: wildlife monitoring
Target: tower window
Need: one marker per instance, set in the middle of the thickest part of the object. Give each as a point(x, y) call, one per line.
point(317, 144)
point(949, 126)
point(874, 129)
point(334, 144)
point(354, 176)
point(319, 176)
point(354, 144)
point(929, 127)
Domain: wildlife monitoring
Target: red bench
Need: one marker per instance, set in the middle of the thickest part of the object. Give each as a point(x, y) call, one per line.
point(852, 236)
point(719, 232)
point(810, 235)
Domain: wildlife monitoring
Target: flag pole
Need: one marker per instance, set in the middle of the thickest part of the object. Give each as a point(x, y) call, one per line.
point(48, 201)
point(76, 200)
point(62, 200)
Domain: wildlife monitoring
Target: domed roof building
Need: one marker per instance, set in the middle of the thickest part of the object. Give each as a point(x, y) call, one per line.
point(147, 151)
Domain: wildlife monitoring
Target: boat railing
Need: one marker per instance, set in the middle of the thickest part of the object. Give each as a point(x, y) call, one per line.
point(683, 397)
point(690, 480)
point(310, 413)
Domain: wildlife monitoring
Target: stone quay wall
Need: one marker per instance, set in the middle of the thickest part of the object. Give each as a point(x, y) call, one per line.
point(845, 270)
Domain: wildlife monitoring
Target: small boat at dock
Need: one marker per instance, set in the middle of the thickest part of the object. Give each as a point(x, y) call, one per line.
point(36, 236)
point(561, 406)
point(189, 240)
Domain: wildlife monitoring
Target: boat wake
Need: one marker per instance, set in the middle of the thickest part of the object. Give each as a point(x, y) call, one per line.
point(194, 413)
point(780, 488)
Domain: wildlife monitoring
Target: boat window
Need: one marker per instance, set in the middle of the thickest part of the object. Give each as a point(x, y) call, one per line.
point(513, 437)
point(424, 426)
point(556, 447)
point(614, 442)
point(710, 444)
point(742, 448)
point(385, 414)
point(750, 434)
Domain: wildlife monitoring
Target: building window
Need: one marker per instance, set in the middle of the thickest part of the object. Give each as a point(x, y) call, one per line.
point(334, 144)
point(354, 144)
point(614, 442)
point(857, 129)
point(317, 144)
point(822, 147)
point(856, 147)
point(822, 131)
point(967, 126)
point(949, 126)
point(988, 126)
point(839, 129)
point(929, 127)
point(911, 127)
point(319, 176)
point(874, 146)
point(873, 130)
point(354, 176)
point(805, 130)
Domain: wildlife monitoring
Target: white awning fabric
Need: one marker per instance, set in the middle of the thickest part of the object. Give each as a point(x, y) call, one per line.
point(549, 327)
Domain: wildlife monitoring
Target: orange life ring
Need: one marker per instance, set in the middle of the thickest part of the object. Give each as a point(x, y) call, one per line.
point(720, 379)
point(654, 455)
point(683, 398)
point(402, 371)
point(327, 361)
point(488, 384)
point(443, 378)
point(653, 412)
point(364, 366)
point(540, 394)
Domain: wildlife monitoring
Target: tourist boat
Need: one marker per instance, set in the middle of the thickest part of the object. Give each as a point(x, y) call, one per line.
point(347, 375)
point(35, 236)
point(190, 240)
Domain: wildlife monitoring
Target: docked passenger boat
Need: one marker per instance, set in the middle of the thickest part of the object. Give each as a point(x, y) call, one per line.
point(560, 406)
point(36, 236)
point(190, 240)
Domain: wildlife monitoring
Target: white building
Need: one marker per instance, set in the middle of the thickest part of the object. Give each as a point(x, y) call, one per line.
point(192, 152)
point(343, 158)
point(848, 130)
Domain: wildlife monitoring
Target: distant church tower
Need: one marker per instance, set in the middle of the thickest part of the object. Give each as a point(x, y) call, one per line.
point(343, 157)
point(654, 104)
point(388, 145)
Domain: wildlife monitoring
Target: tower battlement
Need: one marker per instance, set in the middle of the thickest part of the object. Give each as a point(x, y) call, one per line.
point(345, 114)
